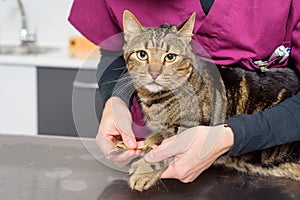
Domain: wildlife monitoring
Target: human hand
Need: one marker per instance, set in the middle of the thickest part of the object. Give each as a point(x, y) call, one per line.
point(194, 151)
point(116, 126)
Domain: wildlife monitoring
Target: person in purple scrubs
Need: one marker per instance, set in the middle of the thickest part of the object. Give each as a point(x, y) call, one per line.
point(234, 33)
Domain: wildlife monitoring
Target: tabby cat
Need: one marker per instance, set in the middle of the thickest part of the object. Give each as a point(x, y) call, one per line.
point(178, 91)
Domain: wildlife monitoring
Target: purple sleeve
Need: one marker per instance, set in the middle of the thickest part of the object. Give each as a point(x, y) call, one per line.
point(92, 19)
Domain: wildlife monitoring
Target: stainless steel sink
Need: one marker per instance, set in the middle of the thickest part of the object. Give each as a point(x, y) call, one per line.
point(24, 49)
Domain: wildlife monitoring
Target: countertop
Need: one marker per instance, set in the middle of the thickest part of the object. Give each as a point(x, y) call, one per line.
point(48, 167)
point(60, 57)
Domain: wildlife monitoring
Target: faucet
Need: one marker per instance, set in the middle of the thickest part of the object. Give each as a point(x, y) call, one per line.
point(25, 37)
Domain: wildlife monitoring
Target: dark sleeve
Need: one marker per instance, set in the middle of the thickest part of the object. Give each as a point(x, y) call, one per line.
point(271, 127)
point(113, 78)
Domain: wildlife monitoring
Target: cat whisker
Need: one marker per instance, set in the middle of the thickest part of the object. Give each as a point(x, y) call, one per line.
point(142, 74)
point(188, 90)
point(115, 81)
point(125, 88)
point(119, 68)
point(125, 80)
point(165, 186)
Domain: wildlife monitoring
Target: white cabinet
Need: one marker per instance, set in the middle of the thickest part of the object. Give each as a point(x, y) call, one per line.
point(18, 99)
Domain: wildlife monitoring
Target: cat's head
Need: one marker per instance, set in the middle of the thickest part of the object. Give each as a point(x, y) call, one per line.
point(158, 59)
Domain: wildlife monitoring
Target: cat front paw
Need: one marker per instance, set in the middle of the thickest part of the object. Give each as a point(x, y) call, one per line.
point(143, 175)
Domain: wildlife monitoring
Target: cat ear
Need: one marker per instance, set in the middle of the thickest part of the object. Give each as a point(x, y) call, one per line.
point(186, 29)
point(131, 25)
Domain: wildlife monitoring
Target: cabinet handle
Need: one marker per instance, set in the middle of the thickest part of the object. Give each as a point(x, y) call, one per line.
point(85, 85)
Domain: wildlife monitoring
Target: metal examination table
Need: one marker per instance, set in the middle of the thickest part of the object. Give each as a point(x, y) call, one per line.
point(41, 167)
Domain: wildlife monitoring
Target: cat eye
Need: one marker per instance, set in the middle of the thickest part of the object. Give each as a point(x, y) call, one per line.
point(170, 57)
point(142, 55)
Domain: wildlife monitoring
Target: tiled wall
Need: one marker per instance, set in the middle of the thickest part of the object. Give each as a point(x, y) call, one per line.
point(48, 18)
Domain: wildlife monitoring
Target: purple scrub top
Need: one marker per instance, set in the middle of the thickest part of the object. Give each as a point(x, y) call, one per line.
point(234, 32)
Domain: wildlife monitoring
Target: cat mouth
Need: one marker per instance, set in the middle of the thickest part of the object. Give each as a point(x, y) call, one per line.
point(155, 83)
point(154, 87)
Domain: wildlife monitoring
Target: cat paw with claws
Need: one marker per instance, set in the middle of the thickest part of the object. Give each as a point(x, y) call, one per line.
point(143, 175)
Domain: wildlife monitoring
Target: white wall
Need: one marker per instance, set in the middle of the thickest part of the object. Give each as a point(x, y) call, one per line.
point(47, 17)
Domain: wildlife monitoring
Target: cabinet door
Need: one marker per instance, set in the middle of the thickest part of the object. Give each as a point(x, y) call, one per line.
point(18, 100)
point(68, 102)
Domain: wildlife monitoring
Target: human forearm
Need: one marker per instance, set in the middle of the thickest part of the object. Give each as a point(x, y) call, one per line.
point(271, 127)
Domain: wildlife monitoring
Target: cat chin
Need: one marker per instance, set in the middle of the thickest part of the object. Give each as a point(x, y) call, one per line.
point(154, 88)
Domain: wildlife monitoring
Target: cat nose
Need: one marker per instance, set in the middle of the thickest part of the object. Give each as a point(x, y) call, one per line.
point(154, 74)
